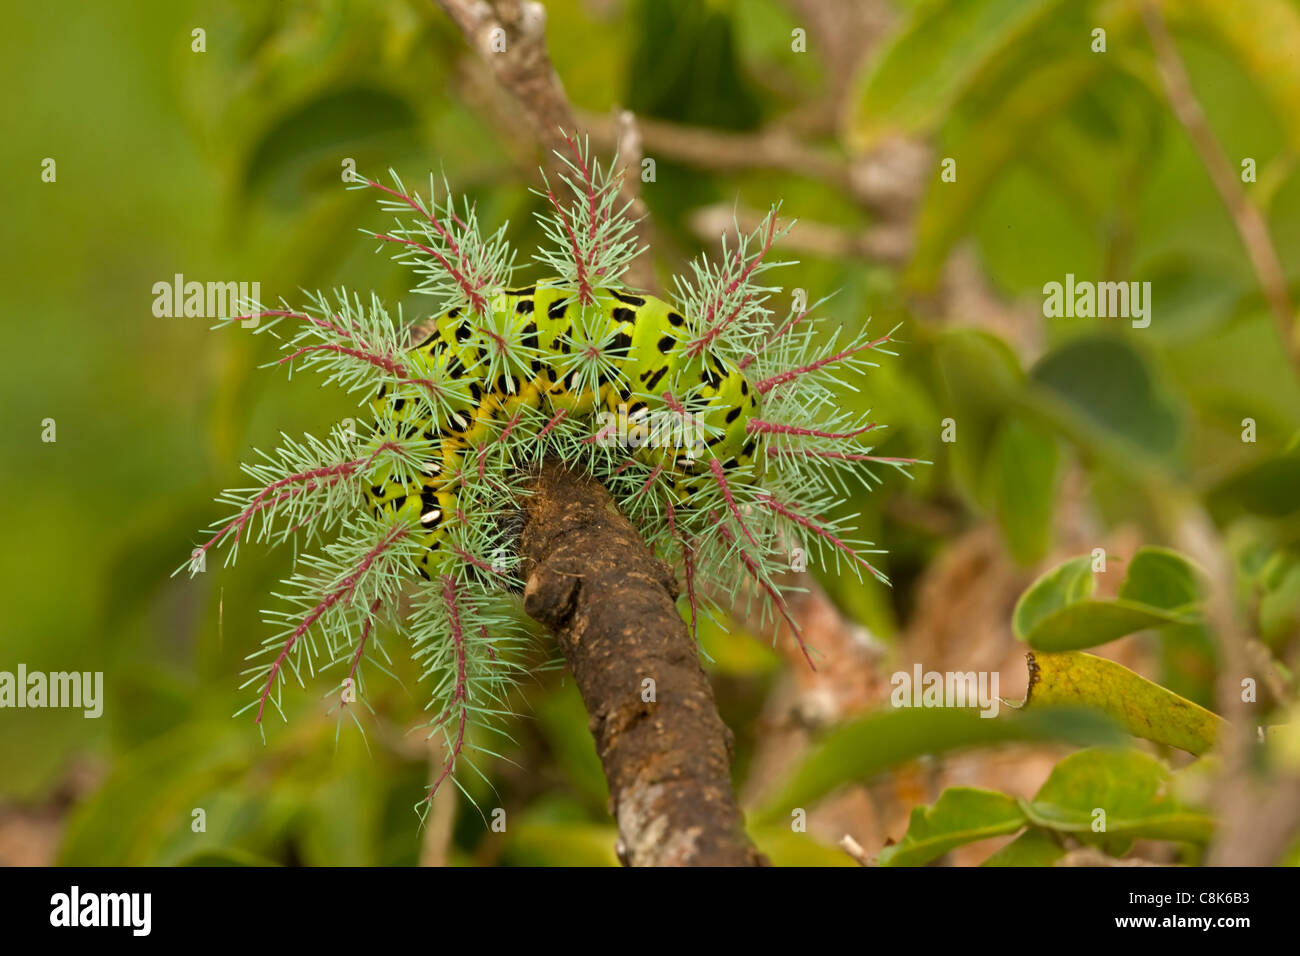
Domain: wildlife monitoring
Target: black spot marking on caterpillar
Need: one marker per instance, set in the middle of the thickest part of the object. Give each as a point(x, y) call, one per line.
point(463, 331)
point(744, 387)
point(665, 344)
point(622, 342)
point(428, 502)
point(557, 309)
point(399, 404)
point(636, 407)
point(455, 369)
point(748, 450)
point(528, 290)
point(529, 335)
point(476, 392)
point(676, 319)
point(733, 414)
point(621, 314)
point(624, 297)
point(377, 491)
point(524, 306)
point(654, 377)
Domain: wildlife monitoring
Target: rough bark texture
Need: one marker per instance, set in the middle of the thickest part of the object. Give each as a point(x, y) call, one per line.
point(611, 604)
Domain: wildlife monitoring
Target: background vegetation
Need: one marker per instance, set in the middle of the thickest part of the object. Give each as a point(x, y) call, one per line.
point(1072, 434)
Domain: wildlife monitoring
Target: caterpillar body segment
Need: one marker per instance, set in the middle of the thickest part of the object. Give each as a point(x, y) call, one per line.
point(543, 350)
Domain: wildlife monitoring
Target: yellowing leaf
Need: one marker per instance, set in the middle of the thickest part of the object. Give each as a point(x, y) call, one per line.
point(1143, 708)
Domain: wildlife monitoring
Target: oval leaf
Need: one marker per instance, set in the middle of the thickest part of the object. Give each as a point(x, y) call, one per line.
point(887, 738)
point(1089, 623)
point(1034, 847)
point(961, 815)
point(1161, 578)
point(1064, 585)
point(1110, 797)
point(1143, 708)
point(911, 87)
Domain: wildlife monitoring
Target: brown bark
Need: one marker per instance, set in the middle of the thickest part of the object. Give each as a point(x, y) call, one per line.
point(611, 603)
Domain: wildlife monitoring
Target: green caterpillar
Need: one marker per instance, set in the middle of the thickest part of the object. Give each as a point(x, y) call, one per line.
point(647, 362)
point(718, 427)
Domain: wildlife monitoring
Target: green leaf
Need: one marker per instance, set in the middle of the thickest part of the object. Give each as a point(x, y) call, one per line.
point(1143, 708)
point(1034, 847)
point(1161, 578)
point(1106, 387)
point(1056, 614)
point(986, 148)
point(911, 87)
point(1022, 480)
point(980, 374)
point(1131, 788)
point(961, 815)
point(1066, 584)
point(1089, 623)
point(884, 739)
point(1270, 488)
point(1279, 601)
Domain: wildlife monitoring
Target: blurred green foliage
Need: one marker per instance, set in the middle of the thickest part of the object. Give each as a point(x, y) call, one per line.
point(226, 165)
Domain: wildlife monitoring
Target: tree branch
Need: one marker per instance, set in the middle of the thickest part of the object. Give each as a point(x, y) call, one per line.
point(612, 606)
point(523, 66)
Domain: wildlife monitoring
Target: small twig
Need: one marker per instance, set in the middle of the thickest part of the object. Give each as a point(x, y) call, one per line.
point(440, 822)
point(640, 273)
point(854, 849)
point(890, 243)
point(1249, 221)
point(510, 36)
point(886, 182)
point(727, 151)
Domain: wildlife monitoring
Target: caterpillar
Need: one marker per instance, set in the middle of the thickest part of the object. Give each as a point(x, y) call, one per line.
point(642, 338)
point(715, 422)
